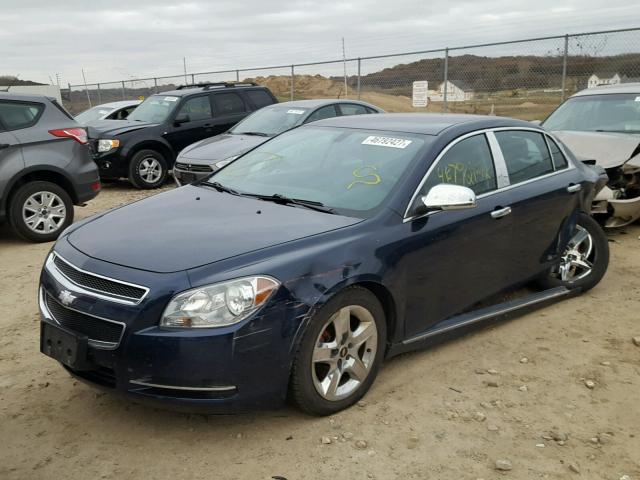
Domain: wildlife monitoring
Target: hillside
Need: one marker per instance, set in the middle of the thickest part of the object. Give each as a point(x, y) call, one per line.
point(6, 80)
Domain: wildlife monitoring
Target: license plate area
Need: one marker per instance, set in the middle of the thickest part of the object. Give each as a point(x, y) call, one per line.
point(69, 348)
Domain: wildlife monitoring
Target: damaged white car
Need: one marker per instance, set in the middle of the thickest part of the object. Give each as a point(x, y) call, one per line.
point(602, 124)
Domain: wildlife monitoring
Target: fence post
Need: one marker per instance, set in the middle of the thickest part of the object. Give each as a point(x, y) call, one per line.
point(564, 65)
point(292, 81)
point(237, 75)
point(123, 91)
point(358, 85)
point(193, 79)
point(446, 78)
point(99, 94)
point(155, 85)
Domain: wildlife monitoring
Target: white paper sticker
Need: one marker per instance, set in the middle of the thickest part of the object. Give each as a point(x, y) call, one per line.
point(386, 142)
point(170, 99)
point(637, 99)
point(296, 112)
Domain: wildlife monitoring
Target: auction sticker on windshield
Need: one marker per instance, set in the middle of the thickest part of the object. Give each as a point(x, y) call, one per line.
point(296, 112)
point(170, 99)
point(386, 142)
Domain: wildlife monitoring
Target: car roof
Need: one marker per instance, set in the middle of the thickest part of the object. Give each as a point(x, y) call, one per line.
point(121, 103)
point(24, 97)
point(319, 102)
point(424, 123)
point(190, 90)
point(610, 89)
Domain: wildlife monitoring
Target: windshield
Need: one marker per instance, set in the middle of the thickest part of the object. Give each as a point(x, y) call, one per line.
point(618, 112)
point(95, 113)
point(349, 170)
point(271, 120)
point(155, 109)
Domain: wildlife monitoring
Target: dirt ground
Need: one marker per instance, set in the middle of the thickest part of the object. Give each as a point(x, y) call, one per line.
point(430, 414)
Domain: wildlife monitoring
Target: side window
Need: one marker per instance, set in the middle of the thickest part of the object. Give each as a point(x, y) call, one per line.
point(525, 153)
point(370, 110)
point(559, 161)
point(259, 98)
point(228, 103)
point(352, 109)
point(197, 108)
point(325, 112)
point(467, 163)
point(17, 115)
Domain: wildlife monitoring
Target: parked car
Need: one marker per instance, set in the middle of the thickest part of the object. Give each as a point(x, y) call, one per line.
point(200, 159)
point(305, 262)
point(108, 111)
point(603, 124)
point(45, 166)
point(143, 147)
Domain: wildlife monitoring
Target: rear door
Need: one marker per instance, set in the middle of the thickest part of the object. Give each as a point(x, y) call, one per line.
point(192, 122)
point(11, 161)
point(229, 108)
point(543, 198)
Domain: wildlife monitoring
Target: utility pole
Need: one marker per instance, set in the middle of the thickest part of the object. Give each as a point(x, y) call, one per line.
point(184, 64)
point(344, 64)
point(58, 79)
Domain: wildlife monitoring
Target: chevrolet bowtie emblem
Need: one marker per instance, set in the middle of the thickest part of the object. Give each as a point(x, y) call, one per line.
point(66, 298)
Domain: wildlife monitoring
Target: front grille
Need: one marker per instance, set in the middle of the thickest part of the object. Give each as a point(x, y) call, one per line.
point(188, 167)
point(96, 329)
point(98, 284)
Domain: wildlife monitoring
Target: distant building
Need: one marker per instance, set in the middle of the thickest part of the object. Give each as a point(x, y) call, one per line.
point(604, 78)
point(457, 91)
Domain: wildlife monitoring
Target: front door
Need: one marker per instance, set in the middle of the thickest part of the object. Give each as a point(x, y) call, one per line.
point(193, 121)
point(456, 258)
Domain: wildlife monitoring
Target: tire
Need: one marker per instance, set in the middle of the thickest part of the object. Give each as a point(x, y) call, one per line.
point(312, 387)
point(40, 211)
point(592, 248)
point(147, 169)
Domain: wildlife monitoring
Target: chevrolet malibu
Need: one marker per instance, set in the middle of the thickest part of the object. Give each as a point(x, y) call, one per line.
point(298, 268)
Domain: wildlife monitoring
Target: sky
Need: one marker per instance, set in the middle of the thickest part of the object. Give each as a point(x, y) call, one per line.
point(119, 40)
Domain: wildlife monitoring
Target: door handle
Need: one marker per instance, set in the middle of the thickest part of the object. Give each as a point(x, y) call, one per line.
point(574, 187)
point(501, 212)
point(4, 145)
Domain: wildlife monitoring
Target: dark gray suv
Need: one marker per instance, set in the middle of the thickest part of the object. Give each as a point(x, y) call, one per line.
point(45, 166)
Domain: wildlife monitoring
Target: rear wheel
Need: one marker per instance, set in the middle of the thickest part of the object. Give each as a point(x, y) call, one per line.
point(147, 169)
point(340, 353)
point(40, 211)
point(585, 259)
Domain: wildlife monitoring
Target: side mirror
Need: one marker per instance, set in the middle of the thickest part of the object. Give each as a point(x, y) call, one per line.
point(447, 197)
point(181, 119)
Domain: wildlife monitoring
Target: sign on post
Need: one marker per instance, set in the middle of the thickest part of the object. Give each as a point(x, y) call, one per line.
point(420, 94)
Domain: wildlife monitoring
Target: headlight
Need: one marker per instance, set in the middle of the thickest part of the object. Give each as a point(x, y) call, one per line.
point(219, 304)
point(225, 162)
point(106, 145)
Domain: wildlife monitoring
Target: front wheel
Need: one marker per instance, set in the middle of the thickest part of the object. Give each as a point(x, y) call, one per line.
point(147, 169)
point(340, 353)
point(584, 260)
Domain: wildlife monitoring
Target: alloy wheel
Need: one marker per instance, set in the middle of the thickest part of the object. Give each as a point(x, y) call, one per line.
point(344, 352)
point(578, 258)
point(150, 170)
point(44, 212)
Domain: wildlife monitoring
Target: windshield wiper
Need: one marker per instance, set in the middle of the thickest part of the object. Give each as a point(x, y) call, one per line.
point(221, 188)
point(284, 200)
point(257, 134)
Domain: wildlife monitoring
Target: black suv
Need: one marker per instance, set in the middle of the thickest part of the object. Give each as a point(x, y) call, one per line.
point(45, 166)
point(145, 145)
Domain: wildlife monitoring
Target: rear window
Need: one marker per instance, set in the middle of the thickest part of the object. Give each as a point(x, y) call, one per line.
point(228, 103)
point(17, 115)
point(259, 98)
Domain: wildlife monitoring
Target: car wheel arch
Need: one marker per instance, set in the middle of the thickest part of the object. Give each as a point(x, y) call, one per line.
point(39, 173)
point(164, 149)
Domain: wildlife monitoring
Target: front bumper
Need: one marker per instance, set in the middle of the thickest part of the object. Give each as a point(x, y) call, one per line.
point(244, 366)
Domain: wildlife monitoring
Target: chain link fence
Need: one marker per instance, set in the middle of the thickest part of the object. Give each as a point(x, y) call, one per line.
point(524, 79)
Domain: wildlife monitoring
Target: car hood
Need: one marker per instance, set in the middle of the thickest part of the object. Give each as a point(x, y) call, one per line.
point(609, 150)
point(100, 128)
point(220, 147)
point(192, 226)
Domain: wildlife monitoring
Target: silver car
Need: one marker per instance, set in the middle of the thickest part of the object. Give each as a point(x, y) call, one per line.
point(602, 124)
point(108, 111)
point(206, 156)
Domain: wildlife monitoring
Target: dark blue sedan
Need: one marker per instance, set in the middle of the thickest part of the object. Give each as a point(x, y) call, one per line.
point(303, 264)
